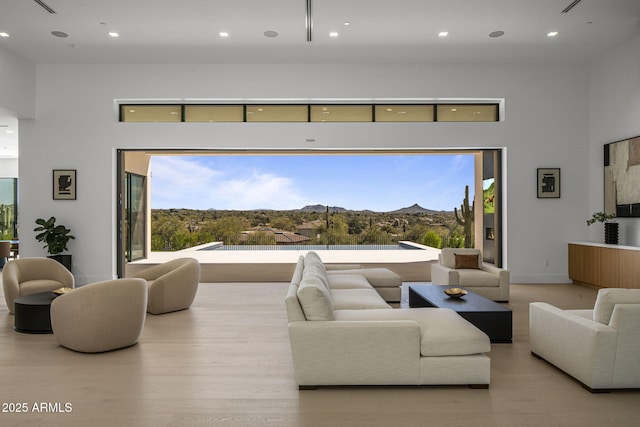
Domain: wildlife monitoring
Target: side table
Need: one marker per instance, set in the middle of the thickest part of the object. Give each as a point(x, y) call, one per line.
point(33, 313)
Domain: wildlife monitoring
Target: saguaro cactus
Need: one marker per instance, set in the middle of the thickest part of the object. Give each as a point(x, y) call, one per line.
point(465, 218)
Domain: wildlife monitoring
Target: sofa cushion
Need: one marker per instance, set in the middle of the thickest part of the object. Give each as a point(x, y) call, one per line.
point(41, 285)
point(477, 278)
point(347, 281)
point(357, 299)
point(377, 277)
point(317, 272)
point(447, 256)
point(607, 300)
point(313, 259)
point(466, 261)
point(442, 331)
point(315, 299)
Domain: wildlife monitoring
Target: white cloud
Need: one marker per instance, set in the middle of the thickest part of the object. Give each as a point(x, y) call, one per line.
point(185, 183)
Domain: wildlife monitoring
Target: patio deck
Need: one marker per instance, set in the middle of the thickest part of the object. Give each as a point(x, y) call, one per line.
point(278, 265)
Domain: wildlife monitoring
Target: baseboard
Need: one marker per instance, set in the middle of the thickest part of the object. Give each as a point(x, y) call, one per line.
point(540, 278)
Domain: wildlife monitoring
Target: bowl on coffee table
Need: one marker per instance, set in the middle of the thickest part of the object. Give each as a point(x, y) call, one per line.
point(455, 292)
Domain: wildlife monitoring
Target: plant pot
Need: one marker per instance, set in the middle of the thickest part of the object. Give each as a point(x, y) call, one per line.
point(63, 259)
point(611, 233)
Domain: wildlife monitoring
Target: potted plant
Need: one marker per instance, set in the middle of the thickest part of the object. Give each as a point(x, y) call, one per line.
point(55, 238)
point(610, 228)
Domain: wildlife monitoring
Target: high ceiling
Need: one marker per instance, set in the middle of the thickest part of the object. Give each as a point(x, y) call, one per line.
point(275, 31)
point(379, 31)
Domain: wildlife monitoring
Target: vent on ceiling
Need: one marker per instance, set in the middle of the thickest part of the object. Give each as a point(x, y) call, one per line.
point(45, 6)
point(571, 6)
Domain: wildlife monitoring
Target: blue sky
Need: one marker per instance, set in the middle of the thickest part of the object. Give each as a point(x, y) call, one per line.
point(380, 183)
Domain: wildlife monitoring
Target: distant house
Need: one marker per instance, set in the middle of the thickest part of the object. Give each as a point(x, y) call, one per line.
point(307, 228)
point(281, 237)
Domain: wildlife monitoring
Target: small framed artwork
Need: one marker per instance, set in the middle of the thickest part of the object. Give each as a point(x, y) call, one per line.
point(64, 184)
point(548, 183)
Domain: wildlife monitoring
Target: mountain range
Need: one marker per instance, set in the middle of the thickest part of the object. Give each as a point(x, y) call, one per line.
point(414, 209)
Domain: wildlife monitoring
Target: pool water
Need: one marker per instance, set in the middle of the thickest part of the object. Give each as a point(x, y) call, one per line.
point(222, 247)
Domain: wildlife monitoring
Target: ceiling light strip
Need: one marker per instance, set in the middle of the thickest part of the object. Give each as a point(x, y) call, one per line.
point(45, 6)
point(309, 20)
point(571, 6)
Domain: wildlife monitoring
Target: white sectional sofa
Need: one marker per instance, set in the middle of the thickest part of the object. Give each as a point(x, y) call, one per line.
point(342, 332)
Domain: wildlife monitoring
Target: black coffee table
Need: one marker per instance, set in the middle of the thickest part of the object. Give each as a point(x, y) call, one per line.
point(493, 319)
point(33, 313)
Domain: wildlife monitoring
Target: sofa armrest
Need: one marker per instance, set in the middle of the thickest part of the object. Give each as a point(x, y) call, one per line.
point(583, 348)
point(497, 271)
point(355, 352)
point(441, 275)
point(503, 277)
point(626, 319)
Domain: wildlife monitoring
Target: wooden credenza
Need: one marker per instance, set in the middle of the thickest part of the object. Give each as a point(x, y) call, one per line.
point(604, 266)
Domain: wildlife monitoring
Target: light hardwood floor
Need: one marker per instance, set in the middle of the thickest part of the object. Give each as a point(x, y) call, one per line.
point(226, 362)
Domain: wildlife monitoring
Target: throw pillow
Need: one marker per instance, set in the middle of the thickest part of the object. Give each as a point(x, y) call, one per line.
point(466, 261)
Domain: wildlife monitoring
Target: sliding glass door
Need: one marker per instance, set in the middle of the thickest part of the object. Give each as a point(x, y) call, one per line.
point(135, 217)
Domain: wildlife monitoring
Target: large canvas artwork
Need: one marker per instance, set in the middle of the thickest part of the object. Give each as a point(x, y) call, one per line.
point(622, 178)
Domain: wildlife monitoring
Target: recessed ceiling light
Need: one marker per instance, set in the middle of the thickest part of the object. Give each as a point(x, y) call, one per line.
point(443, 34)
point(113, 34)
point(224, 34)
point(347, 23)
point(552, 34)
point(495, 34)
point(3, 34)
point(270, 33)
point(61, 34)
point(333, 34)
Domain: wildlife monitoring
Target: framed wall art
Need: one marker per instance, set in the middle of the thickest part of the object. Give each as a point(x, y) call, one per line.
point(622, 178)
point(64, 184)
point(548, 183)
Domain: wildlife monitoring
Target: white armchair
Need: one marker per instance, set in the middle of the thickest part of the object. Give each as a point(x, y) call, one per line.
point(463, 267)
point(27, 276)
point(172, 285)
point(598, 347)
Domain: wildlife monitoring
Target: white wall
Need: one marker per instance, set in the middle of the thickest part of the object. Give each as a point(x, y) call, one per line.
point(8, 168)
point(17, 84)
point(76, 128)
point(614, 116)
point(17, 97)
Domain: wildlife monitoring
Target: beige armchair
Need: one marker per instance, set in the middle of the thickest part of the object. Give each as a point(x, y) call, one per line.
point(101, 316)
point(463, 267)
point(172, 285)
point(598, 347)
point(27, 276)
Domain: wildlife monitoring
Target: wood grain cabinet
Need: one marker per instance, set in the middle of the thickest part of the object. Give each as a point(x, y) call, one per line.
point(604, 266)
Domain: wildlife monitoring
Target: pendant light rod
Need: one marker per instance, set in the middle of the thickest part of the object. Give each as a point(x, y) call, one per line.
point(309, 20)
